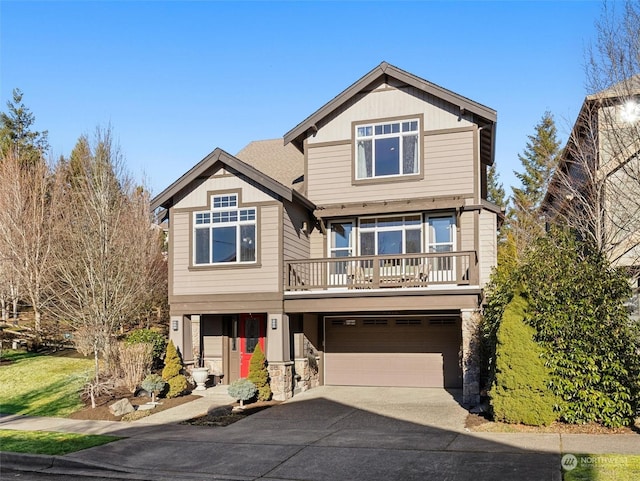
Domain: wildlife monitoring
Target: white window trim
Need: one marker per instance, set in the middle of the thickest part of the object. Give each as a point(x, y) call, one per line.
point(431, 242)
point(375, 136)
point(233, 207)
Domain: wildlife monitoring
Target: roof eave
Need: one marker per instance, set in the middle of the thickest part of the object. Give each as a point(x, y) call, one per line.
point(384, 68)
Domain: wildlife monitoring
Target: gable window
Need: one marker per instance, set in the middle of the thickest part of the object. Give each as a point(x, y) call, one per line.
point(387, 149)
point(226, 233)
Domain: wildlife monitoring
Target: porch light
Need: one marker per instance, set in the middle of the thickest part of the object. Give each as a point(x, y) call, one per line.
point(274, 323)
point(174, 324)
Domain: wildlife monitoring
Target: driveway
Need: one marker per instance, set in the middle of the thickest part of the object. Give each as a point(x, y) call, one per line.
point(341, 433)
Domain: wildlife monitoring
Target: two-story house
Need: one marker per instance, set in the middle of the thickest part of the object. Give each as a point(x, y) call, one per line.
point(354, 251)
point(595, 186)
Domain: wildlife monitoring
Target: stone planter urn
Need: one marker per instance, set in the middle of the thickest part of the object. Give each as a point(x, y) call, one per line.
point(200, 376)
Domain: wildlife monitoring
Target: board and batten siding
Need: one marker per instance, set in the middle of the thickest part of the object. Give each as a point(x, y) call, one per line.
point(387, 102)
point(447, 166)
point(264, 277)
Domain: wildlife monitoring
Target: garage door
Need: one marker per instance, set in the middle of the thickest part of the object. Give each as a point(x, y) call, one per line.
point(403, 352)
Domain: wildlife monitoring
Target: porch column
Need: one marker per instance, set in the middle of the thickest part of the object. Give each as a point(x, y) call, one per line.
point(470, 357)
point(191, 357)
point(180, 334)
point(278, 354)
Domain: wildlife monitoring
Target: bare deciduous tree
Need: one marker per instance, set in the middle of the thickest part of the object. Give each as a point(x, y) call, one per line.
point(595, 188)
point(28, 204)
point(106, 243)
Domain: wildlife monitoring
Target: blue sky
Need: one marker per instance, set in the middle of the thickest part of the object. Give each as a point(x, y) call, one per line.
point(177, 79)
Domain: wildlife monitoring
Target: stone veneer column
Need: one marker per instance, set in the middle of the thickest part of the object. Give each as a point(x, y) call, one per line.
point(470, 357)
point(278, 354)
point(195, 340)
point(281, 375)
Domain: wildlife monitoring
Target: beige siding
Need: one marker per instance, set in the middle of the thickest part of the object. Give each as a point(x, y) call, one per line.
point(466, 231)
point(447, 167)
point(488, 244)
point(198, 197)
point(389, 102)
point(296, 241)
point(262, 278)
point(317, 244)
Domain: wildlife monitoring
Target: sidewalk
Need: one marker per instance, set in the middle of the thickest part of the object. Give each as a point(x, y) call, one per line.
point(317, 436)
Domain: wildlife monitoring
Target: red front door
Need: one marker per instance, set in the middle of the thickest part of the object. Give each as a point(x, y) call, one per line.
point(252, 331)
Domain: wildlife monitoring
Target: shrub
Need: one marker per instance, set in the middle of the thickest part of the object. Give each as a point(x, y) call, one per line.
point(259, 375)
point(519, 393)
point(172, 362)
point(242, 389)
point(153, 384)
point(177, 386)
point(577, 308)
point(149, 336)
point(134, 361)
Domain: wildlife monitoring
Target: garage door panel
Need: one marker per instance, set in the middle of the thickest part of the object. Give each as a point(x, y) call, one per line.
point(392, 353)
point(385, 369)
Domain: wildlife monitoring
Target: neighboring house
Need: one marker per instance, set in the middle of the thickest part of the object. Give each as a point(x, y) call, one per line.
point(354, 251)
point(595, 188)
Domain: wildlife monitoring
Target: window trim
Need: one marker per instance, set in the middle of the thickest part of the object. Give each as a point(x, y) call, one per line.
point(355, 180)
point(239, 209)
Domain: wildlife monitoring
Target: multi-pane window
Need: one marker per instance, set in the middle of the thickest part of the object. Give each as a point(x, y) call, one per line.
point(387, 149)
point(391, 235)
point(225, 234)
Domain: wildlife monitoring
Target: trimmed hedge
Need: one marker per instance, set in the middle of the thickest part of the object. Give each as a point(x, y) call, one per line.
point(519, 393)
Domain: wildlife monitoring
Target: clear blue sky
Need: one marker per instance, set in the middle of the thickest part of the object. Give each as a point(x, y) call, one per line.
point(177, 79)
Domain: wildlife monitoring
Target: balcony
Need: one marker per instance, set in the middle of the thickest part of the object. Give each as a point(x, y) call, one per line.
point(381, 272)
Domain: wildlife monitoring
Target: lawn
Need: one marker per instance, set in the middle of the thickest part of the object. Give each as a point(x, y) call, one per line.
point(604, 467)
point(41, 385)
point(43, 442)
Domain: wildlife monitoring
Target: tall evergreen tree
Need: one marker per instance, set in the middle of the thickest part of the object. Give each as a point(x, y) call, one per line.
point(16, 134)
point(495, 189)
point(538, 160)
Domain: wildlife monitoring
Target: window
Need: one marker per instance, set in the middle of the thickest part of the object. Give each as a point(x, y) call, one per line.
point(391, 235)
point(226, 234)
point(387, 149)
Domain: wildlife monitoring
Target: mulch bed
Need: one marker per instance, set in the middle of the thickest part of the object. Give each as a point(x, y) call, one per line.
point(478, 423)
point(102, 413)
point(225, 415)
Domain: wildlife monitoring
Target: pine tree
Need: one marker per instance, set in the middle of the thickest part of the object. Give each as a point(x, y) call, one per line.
point(259, 375)
point(172, 362)
point(16, 134)
point(539, 160)
point(495, 189)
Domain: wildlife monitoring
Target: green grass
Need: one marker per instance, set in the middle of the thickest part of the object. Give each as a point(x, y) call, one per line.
point(604, 467)
point(41, 385)
point(43, 442)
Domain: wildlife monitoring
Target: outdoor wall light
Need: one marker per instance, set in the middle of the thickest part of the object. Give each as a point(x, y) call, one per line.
point(274, 323)
point(174, 324)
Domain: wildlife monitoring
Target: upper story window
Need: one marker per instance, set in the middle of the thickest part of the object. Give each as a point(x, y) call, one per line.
point(387, 149)
point(225, 234)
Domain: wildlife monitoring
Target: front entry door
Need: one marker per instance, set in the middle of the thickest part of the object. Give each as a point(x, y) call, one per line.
point(252, 332)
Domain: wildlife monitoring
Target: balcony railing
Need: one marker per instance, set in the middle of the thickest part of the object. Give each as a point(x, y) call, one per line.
point(386, 271)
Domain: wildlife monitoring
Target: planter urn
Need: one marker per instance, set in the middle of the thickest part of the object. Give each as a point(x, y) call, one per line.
point(200, 376)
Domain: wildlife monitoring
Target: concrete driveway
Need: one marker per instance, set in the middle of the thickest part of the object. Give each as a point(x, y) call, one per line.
point(337, 434)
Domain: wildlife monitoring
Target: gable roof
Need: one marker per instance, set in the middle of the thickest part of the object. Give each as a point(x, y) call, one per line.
point(166, 197)
point(283, 163)
point(483, 115)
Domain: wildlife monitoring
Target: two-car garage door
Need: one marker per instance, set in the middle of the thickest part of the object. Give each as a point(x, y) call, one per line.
point(389, 351)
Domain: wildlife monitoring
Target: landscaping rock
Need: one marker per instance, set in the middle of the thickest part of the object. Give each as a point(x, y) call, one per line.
point(121, 407)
